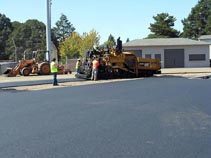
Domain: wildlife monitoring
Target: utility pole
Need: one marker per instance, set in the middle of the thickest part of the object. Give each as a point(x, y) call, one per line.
point(48, 31)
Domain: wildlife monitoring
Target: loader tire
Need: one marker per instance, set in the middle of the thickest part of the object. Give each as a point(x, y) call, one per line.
point(25, 71)
point(44, 69)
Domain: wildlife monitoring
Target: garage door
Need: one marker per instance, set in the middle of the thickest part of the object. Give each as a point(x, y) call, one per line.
point(173, 58)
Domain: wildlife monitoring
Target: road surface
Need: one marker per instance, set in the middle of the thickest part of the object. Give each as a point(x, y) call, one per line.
point(153, 117)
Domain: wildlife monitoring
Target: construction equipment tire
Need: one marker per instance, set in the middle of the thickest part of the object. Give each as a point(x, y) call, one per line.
point(44, 69)
point(25, 71)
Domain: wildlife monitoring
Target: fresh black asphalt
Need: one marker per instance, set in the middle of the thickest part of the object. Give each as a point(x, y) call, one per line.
point(146, 118)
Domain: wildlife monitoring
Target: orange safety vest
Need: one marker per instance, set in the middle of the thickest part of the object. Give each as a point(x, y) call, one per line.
point(95, 64)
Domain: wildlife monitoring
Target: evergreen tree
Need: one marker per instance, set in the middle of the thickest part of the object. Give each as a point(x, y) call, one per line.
point(208, 27)
point(198, 21)
point(28, 36)
point(11, 47)
point(163, 27)
point(63, 28)
point(5, 31)
point(110, 42)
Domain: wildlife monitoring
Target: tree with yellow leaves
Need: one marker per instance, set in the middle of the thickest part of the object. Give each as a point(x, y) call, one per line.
point(75, 45)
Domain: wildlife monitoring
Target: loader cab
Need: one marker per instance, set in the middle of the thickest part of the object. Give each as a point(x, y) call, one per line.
point(40, 55)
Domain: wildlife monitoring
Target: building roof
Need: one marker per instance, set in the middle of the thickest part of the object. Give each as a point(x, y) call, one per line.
point(205, 37)
point(163, 42)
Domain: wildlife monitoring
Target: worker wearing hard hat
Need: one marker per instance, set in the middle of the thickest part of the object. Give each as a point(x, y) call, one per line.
point(95, 65)
point(78, 66)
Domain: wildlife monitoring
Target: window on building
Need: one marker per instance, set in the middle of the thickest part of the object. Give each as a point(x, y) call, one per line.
point(148, 56)
point(197, 57)
point(158, 56)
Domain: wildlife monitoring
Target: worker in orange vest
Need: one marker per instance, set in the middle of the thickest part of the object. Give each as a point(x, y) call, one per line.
point(95, 65)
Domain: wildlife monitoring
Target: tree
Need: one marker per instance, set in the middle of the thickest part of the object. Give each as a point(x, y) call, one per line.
point(75, 45)
point(11, 47)
point(198, 21)
point(89, 40)
point(71, 46)
point(128, 40)
point(110, 42)
point(63, 28)
point(163, 27)
point(5, 31)
point(28, 36)
point(208, 26)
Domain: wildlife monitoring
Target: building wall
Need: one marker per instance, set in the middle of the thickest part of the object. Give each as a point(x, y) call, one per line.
point(210, 52)
point(197, 50)
point(208, 40)
point(187, 51)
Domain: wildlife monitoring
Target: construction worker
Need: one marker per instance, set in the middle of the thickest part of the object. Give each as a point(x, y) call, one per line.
point(95, 65)
point(78, 66)
point(119, 46)
point(54, 71)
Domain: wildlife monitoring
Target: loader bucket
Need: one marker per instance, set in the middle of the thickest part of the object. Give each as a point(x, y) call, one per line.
point(9, 73)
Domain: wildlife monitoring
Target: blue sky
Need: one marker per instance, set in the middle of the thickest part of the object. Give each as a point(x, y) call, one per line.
point(124, 18)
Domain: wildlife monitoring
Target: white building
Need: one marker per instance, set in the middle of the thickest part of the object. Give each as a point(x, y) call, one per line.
point(172, 52)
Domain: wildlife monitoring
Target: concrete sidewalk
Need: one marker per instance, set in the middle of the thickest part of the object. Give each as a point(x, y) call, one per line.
point(185, 70)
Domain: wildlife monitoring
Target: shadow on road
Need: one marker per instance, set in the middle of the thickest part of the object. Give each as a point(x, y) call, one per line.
point(11, 90)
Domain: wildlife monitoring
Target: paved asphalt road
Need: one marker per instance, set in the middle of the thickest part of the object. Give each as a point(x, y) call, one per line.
point(146, 118)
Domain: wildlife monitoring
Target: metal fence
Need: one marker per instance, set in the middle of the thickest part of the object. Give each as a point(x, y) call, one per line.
point(70, 63)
